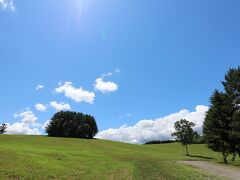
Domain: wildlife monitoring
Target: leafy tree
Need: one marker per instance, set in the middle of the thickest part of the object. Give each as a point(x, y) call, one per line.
point(72, 124)
point(3, 128)
point(216, 126)
point(184, 132)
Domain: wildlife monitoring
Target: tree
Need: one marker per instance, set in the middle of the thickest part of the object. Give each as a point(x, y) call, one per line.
point(232, 88)
point(3, 128)
point(72, 124)
point(216, 126)
point(222, 123)
point(235, 135)
point(184, 132)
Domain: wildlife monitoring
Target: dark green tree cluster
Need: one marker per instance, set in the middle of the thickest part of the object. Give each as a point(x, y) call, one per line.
point(72, 124)
point(161, 142)
point(3, 128)
point(222, 123)
point(184, 132)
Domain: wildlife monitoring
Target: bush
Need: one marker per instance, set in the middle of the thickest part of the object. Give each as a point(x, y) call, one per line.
point(72, 124)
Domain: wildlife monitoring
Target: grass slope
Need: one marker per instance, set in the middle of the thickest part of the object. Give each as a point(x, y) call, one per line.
point(39, 157)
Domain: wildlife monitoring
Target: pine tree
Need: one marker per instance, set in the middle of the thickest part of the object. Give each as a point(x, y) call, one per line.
point(216, 126)
point(232, 87)
point(222, 123)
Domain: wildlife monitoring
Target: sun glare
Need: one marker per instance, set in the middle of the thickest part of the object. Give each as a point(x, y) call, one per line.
point(77, 8)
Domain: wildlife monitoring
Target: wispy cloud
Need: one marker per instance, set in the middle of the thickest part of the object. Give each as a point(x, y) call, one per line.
point(117, 70)
point(39, 87)
point(128, 115)
point(7, 5)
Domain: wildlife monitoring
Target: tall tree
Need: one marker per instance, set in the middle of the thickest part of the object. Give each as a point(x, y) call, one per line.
point(3, 128)
point(184, 133)
point(235, 135)
point(232, 87)
point(216, 126)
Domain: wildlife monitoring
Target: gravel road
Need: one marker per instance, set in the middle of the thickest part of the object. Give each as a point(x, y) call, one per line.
point(216, 169)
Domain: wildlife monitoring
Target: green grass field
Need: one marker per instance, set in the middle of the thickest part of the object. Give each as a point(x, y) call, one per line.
point(39, 157)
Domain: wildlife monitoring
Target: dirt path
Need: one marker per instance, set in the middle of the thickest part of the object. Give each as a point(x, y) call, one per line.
point(216, 169)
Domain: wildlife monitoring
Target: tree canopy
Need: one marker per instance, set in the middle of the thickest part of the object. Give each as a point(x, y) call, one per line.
point(184, 132)
point(72, 124)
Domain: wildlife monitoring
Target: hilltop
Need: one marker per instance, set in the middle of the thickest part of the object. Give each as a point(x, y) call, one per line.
point(40, 157)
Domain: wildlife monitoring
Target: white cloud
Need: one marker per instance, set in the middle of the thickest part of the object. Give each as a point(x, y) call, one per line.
point(26, 129)
point(27, 125)
point(7, 5)
point(22, 128)
point(158, 129)
point(105, 86)
point(41, 107)
point(60, 106)
point(28, 117)
point(39, 87)
point(76, 94)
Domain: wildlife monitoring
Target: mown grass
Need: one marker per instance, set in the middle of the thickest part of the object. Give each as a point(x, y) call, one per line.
point(40, 157)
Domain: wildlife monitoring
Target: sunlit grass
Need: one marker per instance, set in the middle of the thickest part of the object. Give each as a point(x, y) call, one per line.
point(39, 157)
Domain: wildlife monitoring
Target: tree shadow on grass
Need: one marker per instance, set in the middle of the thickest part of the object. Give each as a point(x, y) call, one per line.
point(202, 157)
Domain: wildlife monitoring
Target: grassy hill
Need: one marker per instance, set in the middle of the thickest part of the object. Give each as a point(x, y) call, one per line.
point(39, 157)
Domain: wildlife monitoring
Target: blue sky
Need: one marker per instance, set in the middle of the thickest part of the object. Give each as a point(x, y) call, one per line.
point(164, 56)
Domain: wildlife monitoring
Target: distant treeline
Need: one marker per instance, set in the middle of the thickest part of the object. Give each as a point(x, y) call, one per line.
point(197, 139)
point(161, 142)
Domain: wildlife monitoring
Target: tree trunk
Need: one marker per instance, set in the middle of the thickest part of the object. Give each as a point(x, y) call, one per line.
point(225, 157)
point(187, 150)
